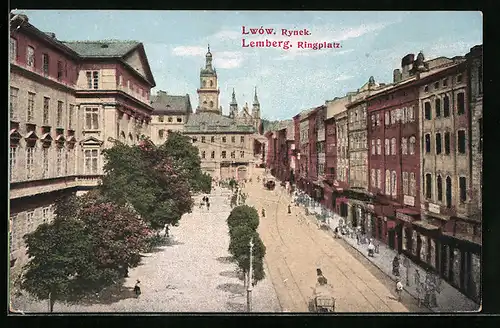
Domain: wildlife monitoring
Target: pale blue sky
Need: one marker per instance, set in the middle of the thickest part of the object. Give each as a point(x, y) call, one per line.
point(288, 81)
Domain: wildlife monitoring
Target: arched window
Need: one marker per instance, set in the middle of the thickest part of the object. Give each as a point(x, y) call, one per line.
point(387, 118)
point(393, 146)
point(387, 182)
point(404, 146)
point(412, 145)
point(211, 83)
point(428, 186)
point(211, 102)
point(394, 184)
point(204, 83)
point(387, 147)
point(448, 192)
point(379, 147)
point(122, 135)
point(439, 184)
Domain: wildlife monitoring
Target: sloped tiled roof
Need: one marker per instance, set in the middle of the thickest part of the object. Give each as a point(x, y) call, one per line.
point(100, 49)
point(213, 122)
point(166, 104)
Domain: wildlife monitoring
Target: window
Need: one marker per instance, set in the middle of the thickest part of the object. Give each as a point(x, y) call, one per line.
point(13, 102)
point(426, 88)
point(459, 78)
point(405, 183)
point(379, 179)
point(203, 154)
point(161, 118)
point(212, 139)
point(45, 162)
point(160, 134)
point(92, 118)
point(372, 119)
point(480, 123)
point(439, 184)
point(438, 143)
point(30, 155)
point(223, 139)
point(460, 103)
point(45, 214)
point(445, 82)
point(413, 140)
point(45, 64)
point(387, 182)
point(169, 120)
point(393, 146)
point(428, 186)
point(411, 114)
point(448, 192)
point(223, 155)
point(387, 147)
point(446, 106)
point(436, 85)
point(59, 113)
point(31, 107)
point(242, 139)
point(461, 142)
point(373, 178)
point(242, 153)
point(203, 139)
point(387, 119)
point(379, 147)
point(438, 107)
point(413, 185)
point(93, 80)
point(30, 216)
point(394, 184)
point(13, 49)
point(59, 161)
point(179, 120)
point(211, 104)
point(30, 57)
point(233, 139)
point(378, 119)
point(212, 155)
point(120, 80)
point(427, 110)
point(70, 116)
point(91, 158)
point(60, 68)
point(427, 143)
point(404, 146)
point(373, 147)
point(462, 183)
point(447, 145)
point(233, 154)
point(12, 161)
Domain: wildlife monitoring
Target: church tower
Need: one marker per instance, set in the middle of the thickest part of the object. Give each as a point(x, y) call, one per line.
point(208, 93)
point(233, 106)
point(256, 111)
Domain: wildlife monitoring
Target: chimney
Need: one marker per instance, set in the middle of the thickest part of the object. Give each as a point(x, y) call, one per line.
point(161, 93)
point(406, 64)
point(396, 76)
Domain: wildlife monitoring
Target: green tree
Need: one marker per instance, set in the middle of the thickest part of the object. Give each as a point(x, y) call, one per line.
point(156, 185)
point(239, 248)
point(243, 215)
point(179, 148)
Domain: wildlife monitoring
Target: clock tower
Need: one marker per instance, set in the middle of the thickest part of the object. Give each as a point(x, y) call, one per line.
point(208, 92)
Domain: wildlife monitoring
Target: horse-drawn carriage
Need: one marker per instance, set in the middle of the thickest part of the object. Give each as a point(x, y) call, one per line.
point(323, 300)
point(269, 183)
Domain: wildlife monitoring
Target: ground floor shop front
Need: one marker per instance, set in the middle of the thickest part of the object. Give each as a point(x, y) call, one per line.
point(228, 170)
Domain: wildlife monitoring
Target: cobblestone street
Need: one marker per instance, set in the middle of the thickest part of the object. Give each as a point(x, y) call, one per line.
point(192, 274)
point(296, 247)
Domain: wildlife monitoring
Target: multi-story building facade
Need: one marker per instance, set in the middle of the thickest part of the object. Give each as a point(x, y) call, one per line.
point(65, 99)
point(446, 179)
point(303, 148)
point(321, 150)
point(330, 191)
point(290, 144)
point(170, 114)
point(226, 145)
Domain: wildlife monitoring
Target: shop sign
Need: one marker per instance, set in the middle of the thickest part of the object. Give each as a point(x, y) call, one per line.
point(404, 217)
point(409, 200)
point(434, 208)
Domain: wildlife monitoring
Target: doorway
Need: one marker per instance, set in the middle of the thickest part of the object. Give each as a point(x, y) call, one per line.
point(392, 238)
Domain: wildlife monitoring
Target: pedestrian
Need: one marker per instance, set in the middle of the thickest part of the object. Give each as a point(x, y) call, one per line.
point(417, 277)
point(371, 249)
point(395, 265)
point(399, 289)
point(263, 213)
point(167, 231)
point(289, 209)
point(137, 288)
point(208, 206)
point(337, 232)
point(406, 264)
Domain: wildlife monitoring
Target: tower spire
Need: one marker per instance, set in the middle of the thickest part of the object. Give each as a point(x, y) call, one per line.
point(255, 99)
point(233, 100)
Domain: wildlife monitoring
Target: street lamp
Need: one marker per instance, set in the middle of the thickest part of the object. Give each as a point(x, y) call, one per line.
point(250, 273)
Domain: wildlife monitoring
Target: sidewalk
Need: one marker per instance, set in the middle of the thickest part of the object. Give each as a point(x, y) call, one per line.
point(448, 300)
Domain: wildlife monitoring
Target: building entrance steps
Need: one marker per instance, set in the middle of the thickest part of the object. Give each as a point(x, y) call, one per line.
point(449, 299)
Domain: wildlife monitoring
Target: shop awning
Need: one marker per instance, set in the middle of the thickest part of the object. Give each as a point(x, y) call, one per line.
point(425, 225)
point(438, 216)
